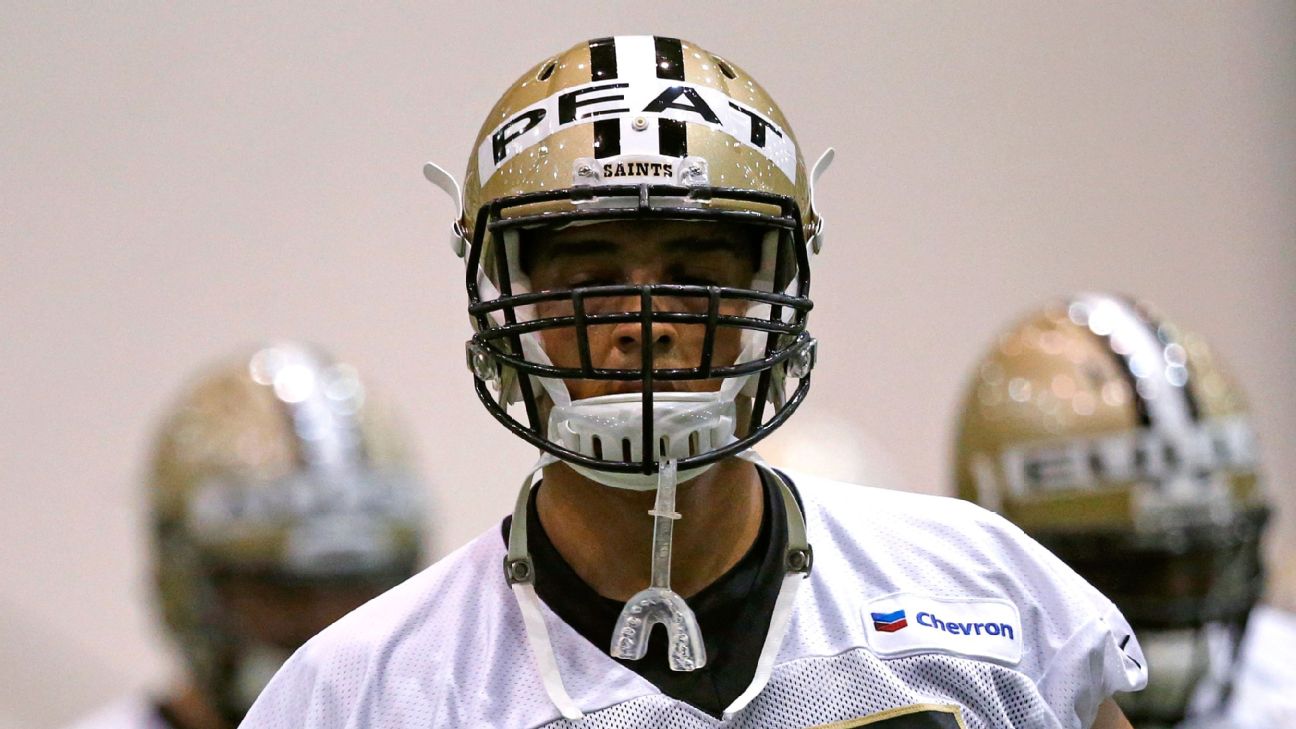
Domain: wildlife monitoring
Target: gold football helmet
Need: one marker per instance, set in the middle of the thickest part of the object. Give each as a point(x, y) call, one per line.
point(1118, 441)
point(281, 497)
point(637, 128)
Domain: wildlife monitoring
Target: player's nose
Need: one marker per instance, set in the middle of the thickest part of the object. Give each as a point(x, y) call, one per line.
point(629, 337)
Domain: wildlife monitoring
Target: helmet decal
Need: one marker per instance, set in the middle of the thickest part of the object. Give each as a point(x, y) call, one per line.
point(639, 103)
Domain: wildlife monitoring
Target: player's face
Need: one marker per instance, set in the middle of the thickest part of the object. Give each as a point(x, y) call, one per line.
point(638, 253)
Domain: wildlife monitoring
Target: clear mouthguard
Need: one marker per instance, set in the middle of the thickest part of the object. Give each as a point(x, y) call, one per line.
point(658, 603)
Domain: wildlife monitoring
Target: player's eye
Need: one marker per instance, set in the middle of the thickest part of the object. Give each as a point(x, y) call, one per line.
point(584, 282)
point(697, 280)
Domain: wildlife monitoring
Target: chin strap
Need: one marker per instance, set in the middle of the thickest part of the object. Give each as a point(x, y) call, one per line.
point(519, 570)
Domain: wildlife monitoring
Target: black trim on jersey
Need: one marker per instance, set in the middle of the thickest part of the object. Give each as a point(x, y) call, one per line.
point(672, 137)
point(670, 58)
point(733, 612)
point(603, 61)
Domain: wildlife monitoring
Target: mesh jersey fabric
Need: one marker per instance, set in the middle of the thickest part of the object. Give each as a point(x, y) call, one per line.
point(447, 648)
point(733, 612)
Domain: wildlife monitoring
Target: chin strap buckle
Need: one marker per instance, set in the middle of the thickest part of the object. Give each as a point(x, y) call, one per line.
point(519, 571)
point(481, 362)
point(799, 561)
point(803, 359)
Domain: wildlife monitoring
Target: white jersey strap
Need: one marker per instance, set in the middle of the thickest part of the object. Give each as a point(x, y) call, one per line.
point(520, 573)
point(538, 638)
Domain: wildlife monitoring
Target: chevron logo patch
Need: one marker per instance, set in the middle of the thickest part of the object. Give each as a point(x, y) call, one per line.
point(889, 622)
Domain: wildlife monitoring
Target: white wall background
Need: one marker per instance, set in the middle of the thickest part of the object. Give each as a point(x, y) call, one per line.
point(178, 180)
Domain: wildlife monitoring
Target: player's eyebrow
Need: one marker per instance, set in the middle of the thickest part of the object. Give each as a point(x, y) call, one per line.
point(589, 247)
point(690, 244)
point(595, 246)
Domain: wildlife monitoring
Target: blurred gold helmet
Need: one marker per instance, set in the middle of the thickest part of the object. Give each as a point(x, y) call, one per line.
point(636, 128)
point(277, 469)
point(1119, 442)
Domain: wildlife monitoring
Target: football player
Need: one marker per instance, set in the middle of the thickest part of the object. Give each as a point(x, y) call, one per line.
point(1116, 439)
point(638, 222)
point(281, 498)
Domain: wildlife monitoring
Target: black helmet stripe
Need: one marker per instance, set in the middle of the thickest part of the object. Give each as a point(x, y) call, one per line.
point(672, 134)
point(672, 137)
point(1141, 412)
point(603, 66)
point(1158, 331)
point(670, 58)
point(607, 138)
point(1165, 404)
point(603, 60)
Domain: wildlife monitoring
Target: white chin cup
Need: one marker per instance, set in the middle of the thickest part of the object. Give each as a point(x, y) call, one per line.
point(684, 424)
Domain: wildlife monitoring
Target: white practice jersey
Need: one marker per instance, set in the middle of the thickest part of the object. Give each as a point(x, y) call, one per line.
point(920, 612)
point(132, 712)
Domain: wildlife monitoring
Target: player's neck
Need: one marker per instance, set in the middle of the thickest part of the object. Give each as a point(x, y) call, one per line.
point(605, 533)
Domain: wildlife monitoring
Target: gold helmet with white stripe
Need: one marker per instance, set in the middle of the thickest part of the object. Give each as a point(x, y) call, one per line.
point(637, 128)
point(1118, 441)
point(282, 496)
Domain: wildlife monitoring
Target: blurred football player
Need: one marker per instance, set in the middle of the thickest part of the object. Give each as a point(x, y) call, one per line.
point(638, 221)
point(281, 499)
point(1117, 440)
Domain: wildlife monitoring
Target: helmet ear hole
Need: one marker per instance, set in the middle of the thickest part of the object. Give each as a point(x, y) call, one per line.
point(725, 68)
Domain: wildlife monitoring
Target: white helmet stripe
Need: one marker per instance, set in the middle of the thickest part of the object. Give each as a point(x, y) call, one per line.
point(320, 400)
point(1145, 358)
point(636, 61)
